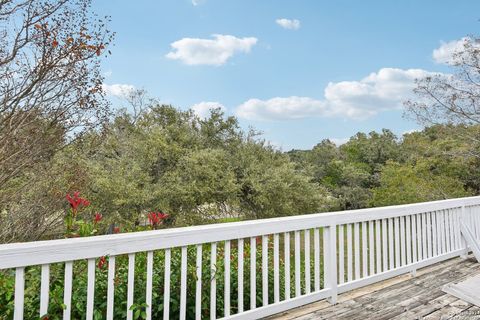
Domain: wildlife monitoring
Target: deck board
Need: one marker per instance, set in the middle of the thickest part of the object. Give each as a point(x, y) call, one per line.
point(402, 297)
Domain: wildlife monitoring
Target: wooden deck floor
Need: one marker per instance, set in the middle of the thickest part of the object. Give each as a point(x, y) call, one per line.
point(403, 297)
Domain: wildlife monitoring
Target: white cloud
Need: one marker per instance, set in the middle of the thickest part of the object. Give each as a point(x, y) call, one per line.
point(118, 90)
point(445, 54)
point(216, 51)
point(198, 2)
point(292, 24)
point(380, 91)
point(202, 109)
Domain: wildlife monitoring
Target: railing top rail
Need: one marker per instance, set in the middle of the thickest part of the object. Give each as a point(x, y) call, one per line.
point(51, 251)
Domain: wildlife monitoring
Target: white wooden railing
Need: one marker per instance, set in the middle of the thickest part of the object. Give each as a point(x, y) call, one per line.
point(319, 256)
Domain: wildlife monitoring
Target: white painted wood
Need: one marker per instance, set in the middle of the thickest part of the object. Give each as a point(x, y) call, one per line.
point(434, 234)
point(111, 287)
point(414, 239)
point(467, 290)
point(403, 256)
point(286, 244)
point(265, 270)
point(447, 231)
point(149, 284)
point(90, 288)
point(364, 250)
point(226, 296)
point(52, 251)
point(472, 242)
point(297, 264)
point(371, 248)
point(130, 285)
point(396, 226)
point(198, 284)
point(456, 221)
point(391, 252)
point(429, 234)
point(306, 253)
point(67, 290)
point(213, 279)
point(166, 290)
point(276, 269)
point(44, 289)
point(253, 273)
point(183, 284)
point(443, 244)
point(409, 239)
point(349, 253)
point(451, 234)
point(316, 261)
point(378, 247)
point(240, 274)
point(263, 312)
point(19, 293)
point(424, 237)
point(384, 245)
point(330, 251)
point(341, 254)
point(356, 237)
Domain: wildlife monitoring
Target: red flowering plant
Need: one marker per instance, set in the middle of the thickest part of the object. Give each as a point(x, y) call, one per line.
point(75, 226)
point(155, 219)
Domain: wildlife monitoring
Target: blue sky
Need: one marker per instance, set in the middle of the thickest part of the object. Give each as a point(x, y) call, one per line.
point(328, 70)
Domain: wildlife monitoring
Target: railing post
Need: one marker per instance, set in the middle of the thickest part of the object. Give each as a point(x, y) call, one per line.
point(464, 254)
point(330, 251)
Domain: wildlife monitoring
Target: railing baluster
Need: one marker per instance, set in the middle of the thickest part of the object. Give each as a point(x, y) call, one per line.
point(183, 284)
point(19, 293)
point(265, 270)
point(356, 236)
point(409, 239)
point(378, 246)
point(447, 229)
point(67, 293)
point(226, 297)
point(44, 289)
point(424, 237)
point(434, 234)
point(253, 273)
point(419, 237)
point(391, 258)
point(213, 281)
point(166, 290)
point(341, 254)
point(403, 255)
point(456, 215)
point(198, 283)
point(384, 245)
point(130, 284)
point(397, 241)
point(371, 248)
point(414, 238)
point(111, 287)
point(149, 284)
point(429, 234)
point(240, 275)
point(286, 244)
point(316, 260)
point(90, 288)
point(442, 232)
point(276, 271)
point(364, 250)
point(306, 235)
point(297, 264)
point(349, 253)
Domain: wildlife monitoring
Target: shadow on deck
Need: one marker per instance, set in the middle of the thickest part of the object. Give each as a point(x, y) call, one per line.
point(402, 297)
